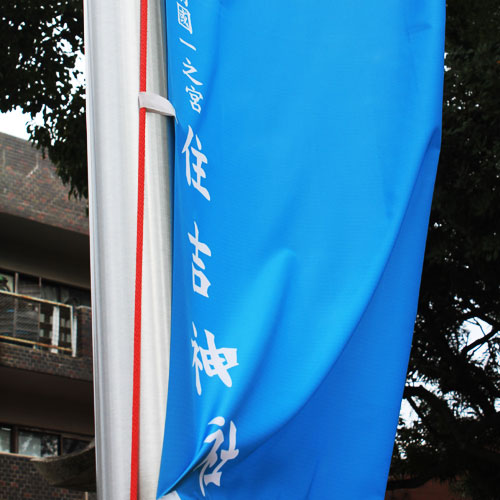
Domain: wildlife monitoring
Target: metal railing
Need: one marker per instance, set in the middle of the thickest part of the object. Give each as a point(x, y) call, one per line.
point(39, 323)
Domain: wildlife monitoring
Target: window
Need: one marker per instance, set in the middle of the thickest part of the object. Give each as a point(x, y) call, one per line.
point(72, 445)
point(39, 443)
point(38, 313)
point(4, 439)
point(6, 282)
point(64, 327)
point(34, 286)
point(27, 285)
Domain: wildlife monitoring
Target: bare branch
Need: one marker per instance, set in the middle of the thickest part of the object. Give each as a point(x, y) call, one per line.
point(478, 342)
point(430, 398)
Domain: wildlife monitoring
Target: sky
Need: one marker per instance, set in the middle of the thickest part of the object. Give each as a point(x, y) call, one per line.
point(14, 123)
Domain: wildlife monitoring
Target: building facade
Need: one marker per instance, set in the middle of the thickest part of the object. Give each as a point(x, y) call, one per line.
point(46, 394)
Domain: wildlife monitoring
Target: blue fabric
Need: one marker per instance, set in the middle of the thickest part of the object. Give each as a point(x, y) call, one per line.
point(320, 126)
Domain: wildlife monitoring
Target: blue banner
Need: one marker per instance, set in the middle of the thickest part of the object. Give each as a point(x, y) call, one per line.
point(306, 145)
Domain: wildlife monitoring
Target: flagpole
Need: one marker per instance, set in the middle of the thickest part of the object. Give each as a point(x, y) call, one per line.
point(112, 43)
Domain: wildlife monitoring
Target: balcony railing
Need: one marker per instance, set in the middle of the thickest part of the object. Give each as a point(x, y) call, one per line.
point(41, 324)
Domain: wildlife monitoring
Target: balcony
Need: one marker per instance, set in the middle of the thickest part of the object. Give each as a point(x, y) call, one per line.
point(38, 323)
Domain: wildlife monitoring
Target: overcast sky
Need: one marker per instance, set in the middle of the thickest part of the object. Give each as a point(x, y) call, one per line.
point(14, 123)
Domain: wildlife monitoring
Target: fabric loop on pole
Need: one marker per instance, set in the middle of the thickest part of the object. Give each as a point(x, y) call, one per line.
point(156, 104)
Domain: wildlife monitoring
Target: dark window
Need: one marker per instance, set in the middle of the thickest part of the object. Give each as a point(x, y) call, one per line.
point(72, 445)
point(64, 327)
point(28, 285)
point(65, 294)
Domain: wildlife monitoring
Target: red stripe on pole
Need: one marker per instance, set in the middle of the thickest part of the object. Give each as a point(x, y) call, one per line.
point(136, 390)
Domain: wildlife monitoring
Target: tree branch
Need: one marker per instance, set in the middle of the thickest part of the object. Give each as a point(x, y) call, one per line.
point(478, 342)
point(431, 399)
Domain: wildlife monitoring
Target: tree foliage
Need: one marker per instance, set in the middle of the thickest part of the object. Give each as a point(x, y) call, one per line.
point(41, 41)
point(453, 380)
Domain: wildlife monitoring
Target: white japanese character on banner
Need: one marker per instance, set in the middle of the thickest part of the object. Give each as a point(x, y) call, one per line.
point(197, 166)
point(195, 96)
point(213, 456)
point(187, 44)
point(189, 68)
point(184, 17)
point(200, 281)
point(213, 361)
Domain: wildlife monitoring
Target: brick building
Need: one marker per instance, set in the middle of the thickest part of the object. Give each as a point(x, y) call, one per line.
point(46, 397)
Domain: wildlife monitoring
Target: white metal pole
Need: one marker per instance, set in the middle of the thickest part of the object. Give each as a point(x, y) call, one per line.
point(112, 57)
